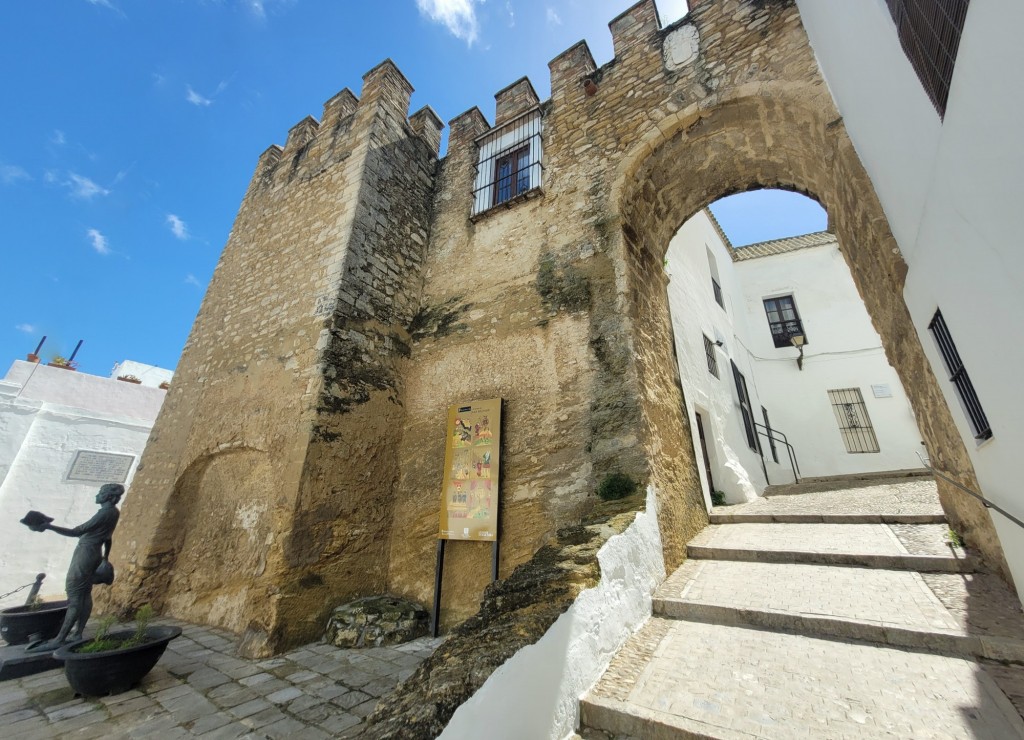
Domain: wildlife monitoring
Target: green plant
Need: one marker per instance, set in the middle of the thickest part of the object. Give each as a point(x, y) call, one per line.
point(717, 498)
point(129, 378)
point(61, 361)
point(616, 486)
point(101, 642)
point(953, 538)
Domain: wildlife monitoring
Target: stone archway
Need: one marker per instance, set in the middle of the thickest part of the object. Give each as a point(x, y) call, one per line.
point(783, 136)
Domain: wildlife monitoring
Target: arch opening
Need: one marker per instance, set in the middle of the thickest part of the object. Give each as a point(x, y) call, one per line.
point(791, 141)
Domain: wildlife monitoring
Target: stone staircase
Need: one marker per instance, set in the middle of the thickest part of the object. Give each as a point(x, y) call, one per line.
point(821, 614)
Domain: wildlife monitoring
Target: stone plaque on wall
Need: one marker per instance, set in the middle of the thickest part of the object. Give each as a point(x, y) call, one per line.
point(469, 502)
point(100, 467)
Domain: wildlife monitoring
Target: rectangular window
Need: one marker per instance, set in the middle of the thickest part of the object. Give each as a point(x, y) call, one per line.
point(929, 32)
point(744, 398)
point(958, 376)
point(709, 352)
point(717, 289)
point(511, 175)
point(768, 429)
point(854, 423)
point(509, 162)
point(783, 320)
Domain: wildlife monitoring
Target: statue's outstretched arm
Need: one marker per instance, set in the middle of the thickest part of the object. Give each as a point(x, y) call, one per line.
point(63, 530)
point(80, 529)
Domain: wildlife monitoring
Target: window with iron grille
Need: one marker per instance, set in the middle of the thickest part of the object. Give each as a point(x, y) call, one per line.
point(958, 376)
point(854, 423)
point(929, 32)
point(719, 298)
point(744, 399)
point(509, 163)
point(783, 320)
point(771, 439)
point(709, 352)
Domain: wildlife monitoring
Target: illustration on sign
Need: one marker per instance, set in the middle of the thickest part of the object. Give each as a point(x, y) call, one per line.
point(469, 498)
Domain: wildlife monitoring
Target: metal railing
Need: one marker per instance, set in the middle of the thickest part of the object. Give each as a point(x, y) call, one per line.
point(509, 162)
point(771, 433)
point(984, 501)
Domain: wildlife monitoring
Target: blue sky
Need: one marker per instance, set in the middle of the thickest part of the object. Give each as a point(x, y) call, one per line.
point(132, 127)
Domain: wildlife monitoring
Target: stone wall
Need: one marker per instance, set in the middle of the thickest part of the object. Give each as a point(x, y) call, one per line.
point(263, 495)
point(298, 460)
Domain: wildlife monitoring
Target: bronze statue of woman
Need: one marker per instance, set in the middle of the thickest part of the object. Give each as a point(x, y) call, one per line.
point(94, 540)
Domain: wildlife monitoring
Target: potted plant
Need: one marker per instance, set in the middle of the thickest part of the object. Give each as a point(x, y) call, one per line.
point(39, 620)
point(130, 379)
point(63, 362)
point(113, 662)
point(165, 385)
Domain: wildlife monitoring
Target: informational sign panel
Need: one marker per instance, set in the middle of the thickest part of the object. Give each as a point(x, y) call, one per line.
point(469, 498)
point(100, 467)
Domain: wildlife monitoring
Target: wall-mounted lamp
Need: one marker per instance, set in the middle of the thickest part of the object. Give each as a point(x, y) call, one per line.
point(589, 87)
point(718, 342)
point(797, 340)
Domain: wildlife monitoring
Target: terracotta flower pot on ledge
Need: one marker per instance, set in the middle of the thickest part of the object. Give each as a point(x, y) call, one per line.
point(129, 379)
point(32, 357)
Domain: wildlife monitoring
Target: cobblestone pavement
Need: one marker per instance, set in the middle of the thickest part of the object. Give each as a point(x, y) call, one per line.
point(201, 689)
point(733, 682)
point(915, 496)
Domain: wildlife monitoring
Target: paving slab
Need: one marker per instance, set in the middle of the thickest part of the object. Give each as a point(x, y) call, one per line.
point(679, 677)
point(913, 496)
point(201, 688)
point(896, 608)
point(916, 547)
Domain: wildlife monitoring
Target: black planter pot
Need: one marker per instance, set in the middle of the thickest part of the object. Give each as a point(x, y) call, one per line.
point(19, 623)
point(114, 671)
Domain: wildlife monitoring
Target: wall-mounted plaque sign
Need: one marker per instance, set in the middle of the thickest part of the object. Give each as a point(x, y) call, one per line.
point(100, 467)
point(469, 497)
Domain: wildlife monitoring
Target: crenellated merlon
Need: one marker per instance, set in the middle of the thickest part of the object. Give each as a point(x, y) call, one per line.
point(345, 117)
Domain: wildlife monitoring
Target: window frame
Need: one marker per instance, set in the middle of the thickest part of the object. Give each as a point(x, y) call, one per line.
point(929, 32)
point(784, 336)
point(514, 156)
point(743, 394)
point(711, 356)
point(959, 378)
point(859, 432)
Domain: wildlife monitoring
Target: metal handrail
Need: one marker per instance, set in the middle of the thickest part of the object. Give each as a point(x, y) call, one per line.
point(770, 432)
point(985, 502)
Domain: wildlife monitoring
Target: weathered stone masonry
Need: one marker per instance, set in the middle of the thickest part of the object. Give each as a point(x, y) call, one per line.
point(297, 461)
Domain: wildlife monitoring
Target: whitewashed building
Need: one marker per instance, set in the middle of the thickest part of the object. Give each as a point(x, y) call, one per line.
point(62, 435)
point(750, 388)
point(943, 148)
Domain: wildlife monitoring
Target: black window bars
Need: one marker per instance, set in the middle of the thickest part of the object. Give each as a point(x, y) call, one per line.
point(509, 164)
point(959, 377)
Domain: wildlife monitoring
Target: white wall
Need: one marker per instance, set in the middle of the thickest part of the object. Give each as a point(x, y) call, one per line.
point(736, 468)
point(535, 693)
point(843, 351)
point(150, 375)
point(951, 190)
point(46, 416)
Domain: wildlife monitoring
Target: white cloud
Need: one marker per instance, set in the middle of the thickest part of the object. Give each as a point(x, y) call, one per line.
point(58, 138)
point(511, 14)
point(11, 173)
point(27, 328)
point(458, 16)
point(106, 4)
point(195, 98)
point(191, 279)
point(553, 18)
point(178, 227)
point(83, 187)
point(99, 242)
point(258, 8)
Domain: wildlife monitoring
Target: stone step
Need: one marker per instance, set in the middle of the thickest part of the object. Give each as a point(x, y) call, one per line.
point(678, 679)
point(726, 518)
point(895, 608)
point(918, 547)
